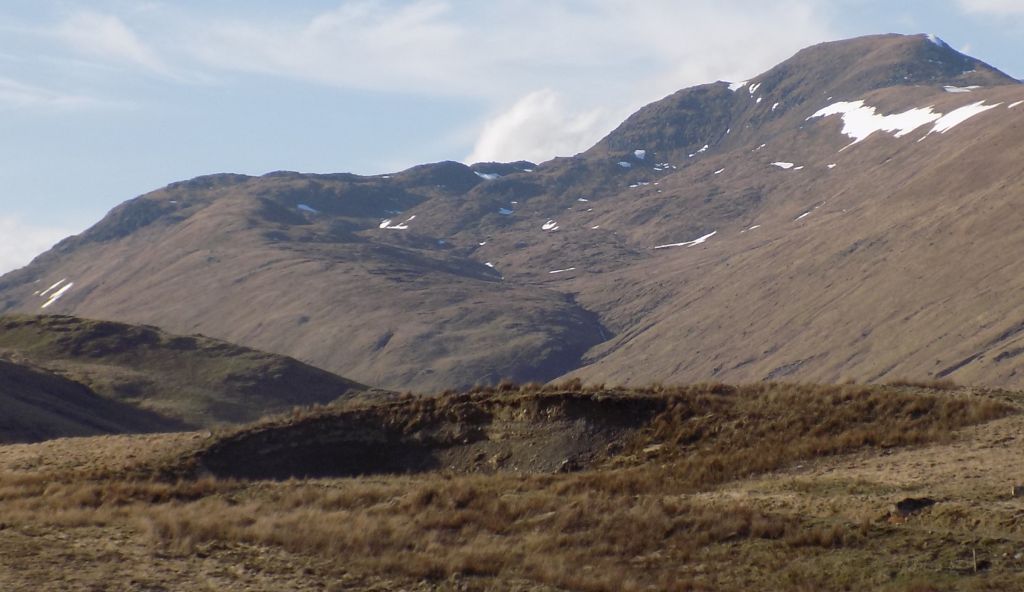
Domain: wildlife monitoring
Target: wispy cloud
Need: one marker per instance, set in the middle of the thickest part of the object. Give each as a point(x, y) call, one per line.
point(107, 37)
point(597, 60)
point(21, 95)
point(20, 242)
point(362, 44)
point(489, 49)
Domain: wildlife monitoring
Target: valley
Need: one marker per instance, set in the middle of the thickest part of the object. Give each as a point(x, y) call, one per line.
point(763, 335)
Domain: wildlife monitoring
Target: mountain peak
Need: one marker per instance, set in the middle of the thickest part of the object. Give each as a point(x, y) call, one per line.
point(860, 65)
point(691, 119)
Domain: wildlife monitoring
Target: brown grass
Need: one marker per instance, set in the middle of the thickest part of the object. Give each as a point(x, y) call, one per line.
point(629, 524)
point(943, 384)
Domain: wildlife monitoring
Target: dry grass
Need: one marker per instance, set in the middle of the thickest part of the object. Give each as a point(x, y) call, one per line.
point(629, 524)
point(944, 384)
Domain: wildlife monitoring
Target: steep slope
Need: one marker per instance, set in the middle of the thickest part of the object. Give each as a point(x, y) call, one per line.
point(850, 213)
point(195, 380)
point(39, 406)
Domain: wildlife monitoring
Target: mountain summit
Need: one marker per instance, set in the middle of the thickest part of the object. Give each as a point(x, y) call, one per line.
point(851, 213)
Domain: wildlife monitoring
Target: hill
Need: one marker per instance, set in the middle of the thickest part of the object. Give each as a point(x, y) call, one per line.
point(195, 381)
point(40, 406)
point(849, 214)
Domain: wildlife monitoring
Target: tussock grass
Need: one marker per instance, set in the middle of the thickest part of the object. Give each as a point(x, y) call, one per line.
point(943, 384)
point(629, 522)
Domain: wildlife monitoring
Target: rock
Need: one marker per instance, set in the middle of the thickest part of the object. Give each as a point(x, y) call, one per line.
point(569, 466)
point(1017, 491)
point(912, 505)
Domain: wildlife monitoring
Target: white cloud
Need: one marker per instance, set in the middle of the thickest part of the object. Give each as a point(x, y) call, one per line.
point(996, 7)
point(20, 242)
point(537, 127)
point(107, 37)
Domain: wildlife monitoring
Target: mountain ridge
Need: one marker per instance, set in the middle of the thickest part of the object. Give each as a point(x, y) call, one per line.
point(632, 261)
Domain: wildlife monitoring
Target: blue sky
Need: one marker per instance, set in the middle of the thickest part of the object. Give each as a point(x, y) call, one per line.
point(103, 100)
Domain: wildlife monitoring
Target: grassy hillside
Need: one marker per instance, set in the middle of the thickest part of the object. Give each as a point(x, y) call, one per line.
point(195, 379)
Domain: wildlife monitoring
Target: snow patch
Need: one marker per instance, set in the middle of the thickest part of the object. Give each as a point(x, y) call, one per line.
point(488, 176)
point(960, 89)
point(753, 88)
point(1012, 105)
point(489, 264)
point(832, 166)
point(550, 225)
point(505, 211)
point(640, 154)
point(808, 212)
point(625, 165)
point(562, 270)
point(53, 287)
point(719, 171)
point(783, 165)
point(694, 242)
point(735, 86)
point(860, 121)
point(309, 209)
point(583, 199)
point(386, 224)
point(936, 40)
point(56, 295)
point(958, 116)
point(754, 227)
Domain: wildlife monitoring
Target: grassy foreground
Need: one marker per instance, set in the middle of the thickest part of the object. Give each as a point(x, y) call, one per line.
point(711, 487)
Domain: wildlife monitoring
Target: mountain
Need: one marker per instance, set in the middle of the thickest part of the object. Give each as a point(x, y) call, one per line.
point(142, 371)
point(40, 406)
point(849, 214)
